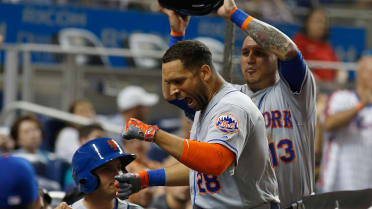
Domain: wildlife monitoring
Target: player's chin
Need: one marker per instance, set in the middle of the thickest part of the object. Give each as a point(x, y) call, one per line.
point(252, 79)
point(111, 192)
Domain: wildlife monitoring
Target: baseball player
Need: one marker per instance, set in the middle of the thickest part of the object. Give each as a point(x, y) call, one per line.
point(94, 166)
point(282, 87)
point(227, 158)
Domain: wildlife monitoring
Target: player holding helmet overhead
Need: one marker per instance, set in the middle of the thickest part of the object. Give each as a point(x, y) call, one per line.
point(94, 167)
point(282, 87)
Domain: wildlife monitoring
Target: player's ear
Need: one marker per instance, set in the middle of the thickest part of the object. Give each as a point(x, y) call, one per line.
point(205, 73)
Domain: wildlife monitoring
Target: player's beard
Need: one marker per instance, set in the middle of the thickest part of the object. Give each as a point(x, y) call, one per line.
point(201, 96)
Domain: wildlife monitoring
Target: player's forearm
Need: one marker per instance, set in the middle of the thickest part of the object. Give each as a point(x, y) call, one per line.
point(170, 143)
point(177, 175)
point(267, 36)
point(272, 39)
point(340, 119)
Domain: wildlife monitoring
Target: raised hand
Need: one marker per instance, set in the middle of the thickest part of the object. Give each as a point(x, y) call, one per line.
point(177, 22)
point(226, 8)
point(136, 129)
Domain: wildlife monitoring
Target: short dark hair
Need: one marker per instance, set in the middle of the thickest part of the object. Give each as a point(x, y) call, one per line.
point(193, 54)
point(84, 131)
point(14, 129)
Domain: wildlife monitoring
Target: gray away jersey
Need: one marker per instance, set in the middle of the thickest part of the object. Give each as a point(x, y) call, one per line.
point(120, 204)
point(290, 125)
point(232, 120)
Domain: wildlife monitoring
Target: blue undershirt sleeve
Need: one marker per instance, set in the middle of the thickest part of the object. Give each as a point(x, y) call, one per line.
point(293, 72)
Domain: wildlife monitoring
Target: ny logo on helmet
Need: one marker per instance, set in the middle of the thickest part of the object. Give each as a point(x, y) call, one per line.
point(112, 144)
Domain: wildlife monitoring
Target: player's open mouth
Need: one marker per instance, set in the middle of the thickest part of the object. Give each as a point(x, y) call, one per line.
point(190, 102)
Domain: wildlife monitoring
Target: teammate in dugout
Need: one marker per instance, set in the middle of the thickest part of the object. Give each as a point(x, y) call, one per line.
point(94, 167)
point(226, 161)
point(282, 87)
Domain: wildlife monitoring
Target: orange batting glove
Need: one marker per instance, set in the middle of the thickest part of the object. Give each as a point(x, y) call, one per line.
point(136, 129)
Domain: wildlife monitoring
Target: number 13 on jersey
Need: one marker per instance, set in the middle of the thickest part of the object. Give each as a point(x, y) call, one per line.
point(287, 146)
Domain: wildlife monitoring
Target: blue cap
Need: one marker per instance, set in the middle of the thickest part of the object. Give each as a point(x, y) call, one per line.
point(18, 185)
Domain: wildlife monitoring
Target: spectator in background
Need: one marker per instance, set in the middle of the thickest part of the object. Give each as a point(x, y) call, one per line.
point(67, 141)
point(18, 185)
point(6, 143)
point(134, 101)
point(89, 132)
point(27, 133)
point(347, 148)
point(313, 43)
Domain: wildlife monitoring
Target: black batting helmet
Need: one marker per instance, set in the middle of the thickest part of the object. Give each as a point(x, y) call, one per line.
point(191, 7)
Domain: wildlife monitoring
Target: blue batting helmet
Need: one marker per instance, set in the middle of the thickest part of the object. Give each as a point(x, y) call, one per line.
point(92, 155)
point(192, 7)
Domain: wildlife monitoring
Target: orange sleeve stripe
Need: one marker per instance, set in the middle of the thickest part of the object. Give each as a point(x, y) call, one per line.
point(177, 33)
point(246, 22)
point(205, 157)
point(144, 178)
point(232, 12)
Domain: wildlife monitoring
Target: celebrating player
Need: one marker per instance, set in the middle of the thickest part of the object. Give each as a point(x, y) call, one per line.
point(226, 160)
point(282, 87)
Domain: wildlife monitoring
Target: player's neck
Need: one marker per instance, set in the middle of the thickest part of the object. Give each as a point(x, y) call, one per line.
point(96, 201)
point(256, 86)
point(216, 85)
